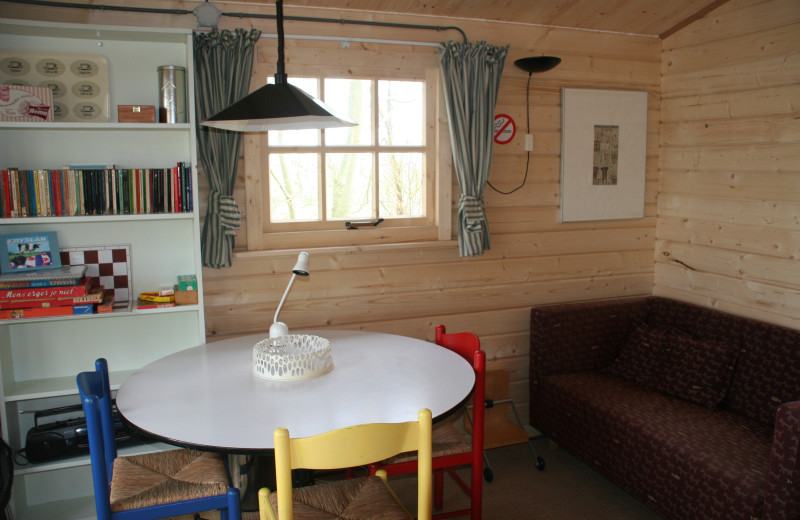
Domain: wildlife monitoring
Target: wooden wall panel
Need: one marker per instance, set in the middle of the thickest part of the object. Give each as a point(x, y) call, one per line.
point(728, 232)
point(408, 289)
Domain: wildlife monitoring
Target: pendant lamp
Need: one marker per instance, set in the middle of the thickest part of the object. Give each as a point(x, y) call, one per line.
point(278, 106)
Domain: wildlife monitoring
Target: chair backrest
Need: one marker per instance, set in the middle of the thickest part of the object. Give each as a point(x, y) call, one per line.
point(355, 446)
point(468, 346)
point(95, 393)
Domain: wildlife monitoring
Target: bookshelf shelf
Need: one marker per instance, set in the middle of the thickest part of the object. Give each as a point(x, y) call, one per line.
point(140, 127)
point(40, 357)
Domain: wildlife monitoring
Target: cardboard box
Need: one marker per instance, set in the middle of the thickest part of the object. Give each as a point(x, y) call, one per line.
point(23, 103)
point(187, 282)
point(136, 113)
point(186, 297)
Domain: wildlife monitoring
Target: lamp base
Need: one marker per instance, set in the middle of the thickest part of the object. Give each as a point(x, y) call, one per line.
point(278, 329)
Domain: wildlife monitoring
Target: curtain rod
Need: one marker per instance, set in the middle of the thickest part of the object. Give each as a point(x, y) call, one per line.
point(340, 21)
point(345, 40)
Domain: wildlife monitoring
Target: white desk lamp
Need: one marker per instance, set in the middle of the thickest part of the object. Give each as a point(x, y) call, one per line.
point(285, 356)
point(278, 328)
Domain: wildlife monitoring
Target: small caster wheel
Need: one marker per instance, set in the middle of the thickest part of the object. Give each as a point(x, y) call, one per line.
point(540, 463)
point(488, 474)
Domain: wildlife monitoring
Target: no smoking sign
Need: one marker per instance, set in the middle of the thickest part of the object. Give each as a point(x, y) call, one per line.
point(504, 129)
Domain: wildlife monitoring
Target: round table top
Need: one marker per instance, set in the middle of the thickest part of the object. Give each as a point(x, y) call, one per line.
point(207, 397)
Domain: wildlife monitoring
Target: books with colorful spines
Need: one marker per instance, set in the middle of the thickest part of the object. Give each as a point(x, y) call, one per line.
point(14, 314)
point(60, 291)
point(65, 275)
point(94, 296)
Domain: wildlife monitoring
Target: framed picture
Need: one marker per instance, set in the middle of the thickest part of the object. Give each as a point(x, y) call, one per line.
point(603, 153)
point(29, 252)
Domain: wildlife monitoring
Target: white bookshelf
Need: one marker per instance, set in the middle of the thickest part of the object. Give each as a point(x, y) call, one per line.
point(39, 358)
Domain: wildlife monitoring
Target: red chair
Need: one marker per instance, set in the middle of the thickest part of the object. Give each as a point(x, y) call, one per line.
point(450, 448)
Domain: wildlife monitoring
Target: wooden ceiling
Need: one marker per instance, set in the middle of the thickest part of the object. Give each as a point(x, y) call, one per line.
point(659, 18)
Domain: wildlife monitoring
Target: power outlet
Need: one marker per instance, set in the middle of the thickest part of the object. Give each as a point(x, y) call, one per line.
point(529, 142)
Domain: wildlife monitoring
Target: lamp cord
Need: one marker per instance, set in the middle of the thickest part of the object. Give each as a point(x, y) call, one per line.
point(280, 75)
point(528, 160)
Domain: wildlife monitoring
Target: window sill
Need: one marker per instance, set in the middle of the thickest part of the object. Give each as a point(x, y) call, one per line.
point(377, 248)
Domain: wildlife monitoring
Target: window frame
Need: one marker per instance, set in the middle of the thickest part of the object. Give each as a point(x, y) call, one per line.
point(435, 226)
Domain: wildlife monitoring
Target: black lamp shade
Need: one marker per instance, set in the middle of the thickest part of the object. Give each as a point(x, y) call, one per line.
point(537, 63)
point(276, 107)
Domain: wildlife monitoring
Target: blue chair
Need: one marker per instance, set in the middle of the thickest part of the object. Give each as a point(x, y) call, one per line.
point(149, 486)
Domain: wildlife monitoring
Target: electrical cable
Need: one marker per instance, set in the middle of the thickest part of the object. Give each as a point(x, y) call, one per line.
point(528, 161)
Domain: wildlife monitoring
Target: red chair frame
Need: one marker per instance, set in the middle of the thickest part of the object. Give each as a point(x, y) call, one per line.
point(468, 346)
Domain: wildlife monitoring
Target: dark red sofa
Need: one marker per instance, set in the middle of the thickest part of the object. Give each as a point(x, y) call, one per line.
point(693, 411)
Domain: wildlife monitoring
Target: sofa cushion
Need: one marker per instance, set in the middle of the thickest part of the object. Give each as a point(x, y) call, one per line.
point(640, 358)
point(768, 368)
point(659, 447)
point(697, 370)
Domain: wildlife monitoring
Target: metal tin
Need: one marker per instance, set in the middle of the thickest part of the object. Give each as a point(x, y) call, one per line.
point(172, 94)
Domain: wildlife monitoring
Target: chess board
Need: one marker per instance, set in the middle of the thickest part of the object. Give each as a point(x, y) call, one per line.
point(109, 266)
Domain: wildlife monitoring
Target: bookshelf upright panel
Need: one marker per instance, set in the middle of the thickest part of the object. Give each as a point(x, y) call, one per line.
point(40, 357)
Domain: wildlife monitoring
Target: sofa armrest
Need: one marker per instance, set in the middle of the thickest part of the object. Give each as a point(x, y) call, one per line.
point(581, 336)
point(782, 496)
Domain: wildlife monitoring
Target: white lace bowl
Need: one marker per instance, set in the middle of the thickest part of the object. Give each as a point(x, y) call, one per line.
point(295, 356)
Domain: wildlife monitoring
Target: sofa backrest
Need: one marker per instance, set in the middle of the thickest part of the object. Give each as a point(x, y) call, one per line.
point(768, 369)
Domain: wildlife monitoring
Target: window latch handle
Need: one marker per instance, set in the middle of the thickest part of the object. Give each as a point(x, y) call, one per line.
point(363, 223)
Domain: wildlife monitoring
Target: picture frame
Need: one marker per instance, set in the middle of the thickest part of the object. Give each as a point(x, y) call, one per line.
point(29, 252)
point(603, 154)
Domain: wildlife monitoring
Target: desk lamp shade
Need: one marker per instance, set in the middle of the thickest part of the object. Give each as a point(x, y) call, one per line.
point(277, 107)
point(300, 268)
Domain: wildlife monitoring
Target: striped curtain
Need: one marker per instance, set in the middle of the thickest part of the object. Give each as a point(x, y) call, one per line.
point(223, 61)
point(471, 77)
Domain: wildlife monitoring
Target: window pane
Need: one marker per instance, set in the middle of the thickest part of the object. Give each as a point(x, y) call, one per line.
point(402, 109)
point(350, 98)
point(297, 137)
point(293, 187)
point(349, 185)
point(401, 184)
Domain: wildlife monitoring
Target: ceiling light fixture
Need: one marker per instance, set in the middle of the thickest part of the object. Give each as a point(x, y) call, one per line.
point(278, 106)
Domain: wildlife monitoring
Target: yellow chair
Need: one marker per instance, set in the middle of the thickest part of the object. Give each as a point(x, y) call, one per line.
point(363, 498)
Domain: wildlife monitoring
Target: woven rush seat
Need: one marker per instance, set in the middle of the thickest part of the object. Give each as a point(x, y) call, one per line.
point(357, 499)
point(447, 440)
point(160, 478)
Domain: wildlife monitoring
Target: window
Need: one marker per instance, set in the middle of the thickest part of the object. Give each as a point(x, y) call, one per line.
point(305, 185)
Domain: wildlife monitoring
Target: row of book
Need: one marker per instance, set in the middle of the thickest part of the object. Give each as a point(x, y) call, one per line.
point(57, 292)
point(95, 191)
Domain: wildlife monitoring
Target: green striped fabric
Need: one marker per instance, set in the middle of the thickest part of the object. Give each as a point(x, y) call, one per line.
point(471, 77)
point(223, 61)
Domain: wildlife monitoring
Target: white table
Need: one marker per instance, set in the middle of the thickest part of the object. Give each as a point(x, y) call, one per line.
point(207, 397)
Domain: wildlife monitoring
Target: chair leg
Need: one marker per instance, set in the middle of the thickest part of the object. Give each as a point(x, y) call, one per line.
point(234, 505)
point(537, 459)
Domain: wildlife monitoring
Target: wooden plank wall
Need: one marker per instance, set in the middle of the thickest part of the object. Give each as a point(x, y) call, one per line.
point(534, 259)
point(728, 233)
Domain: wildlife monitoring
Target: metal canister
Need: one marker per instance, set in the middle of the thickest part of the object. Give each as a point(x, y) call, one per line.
point(172, 94)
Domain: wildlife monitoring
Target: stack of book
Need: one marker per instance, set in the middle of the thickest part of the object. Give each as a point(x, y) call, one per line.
point(95, 191)
point(52, 292)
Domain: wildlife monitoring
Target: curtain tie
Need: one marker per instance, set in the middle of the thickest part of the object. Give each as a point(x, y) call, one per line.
point(225, 210)
point(471, 208)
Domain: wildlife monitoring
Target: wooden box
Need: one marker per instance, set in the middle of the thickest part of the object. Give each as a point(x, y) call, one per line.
point(186, 297)
point(136, 113)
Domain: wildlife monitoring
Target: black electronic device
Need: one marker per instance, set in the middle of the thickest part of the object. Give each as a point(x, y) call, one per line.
point(68, 437)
